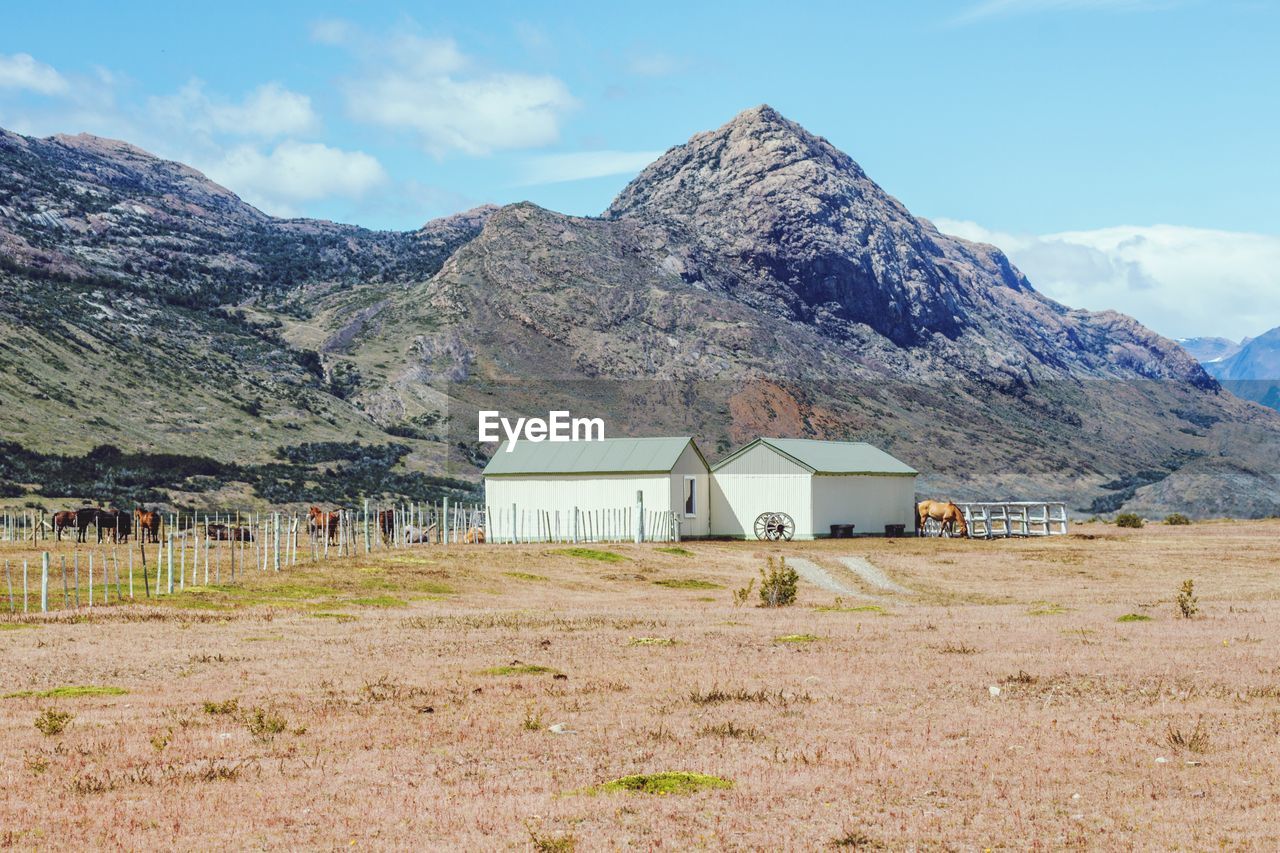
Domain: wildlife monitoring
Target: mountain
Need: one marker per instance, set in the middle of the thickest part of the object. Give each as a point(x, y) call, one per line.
point(1253, 372)
point(752, 280)
point(1210, 349)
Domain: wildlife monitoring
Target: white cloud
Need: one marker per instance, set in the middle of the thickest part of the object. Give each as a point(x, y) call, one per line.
point(1182, 282)
point(580, 165)
point(431, 88)
point(995, 8)
point(295, 172)
point(269, 111)
point(655, 65)
point(24, 72)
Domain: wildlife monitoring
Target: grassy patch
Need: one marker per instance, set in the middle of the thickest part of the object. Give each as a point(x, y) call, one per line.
point(687, 583)
point(1134, 617)
point(665, 783)
point(796, 638)
point(1047, 610)
point(590, 554)
point(651, 641)
point(69, 692)
point(337, 617)
point(861, 608)
point(675, 549)
point(525, 576)
point(518, 669)
point(380, 601)
point(16, 626)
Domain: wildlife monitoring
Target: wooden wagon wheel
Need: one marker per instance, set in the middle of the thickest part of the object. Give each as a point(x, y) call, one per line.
point(774, 526)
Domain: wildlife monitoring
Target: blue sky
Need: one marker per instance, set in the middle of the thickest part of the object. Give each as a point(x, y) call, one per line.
point(1122, 151)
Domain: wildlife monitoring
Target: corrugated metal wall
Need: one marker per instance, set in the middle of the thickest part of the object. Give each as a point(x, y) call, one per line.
point(560, 493)
point(758, 481)
point(690, 464)
point(866, 501)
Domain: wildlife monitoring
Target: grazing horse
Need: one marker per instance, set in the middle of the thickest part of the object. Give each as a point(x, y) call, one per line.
point(387, 524)
point(946, 512)
point(116, 525)
point(85, 516)
point(326, 520)
point(474, 536)
point(63, 520)
point(420, 535)
point(225, 533)
point(148, 524)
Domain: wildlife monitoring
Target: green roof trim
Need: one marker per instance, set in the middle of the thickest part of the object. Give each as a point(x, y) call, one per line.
point(608, 456)
point(830, 457)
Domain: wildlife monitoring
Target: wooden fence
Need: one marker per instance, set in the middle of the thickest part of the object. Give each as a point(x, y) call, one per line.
point(1016, 518)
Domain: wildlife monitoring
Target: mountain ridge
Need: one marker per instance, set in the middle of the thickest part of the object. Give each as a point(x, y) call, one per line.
point(755, 273)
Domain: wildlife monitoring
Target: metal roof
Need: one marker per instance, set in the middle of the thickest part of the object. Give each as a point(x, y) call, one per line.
point(608, 456)
point(830, 457)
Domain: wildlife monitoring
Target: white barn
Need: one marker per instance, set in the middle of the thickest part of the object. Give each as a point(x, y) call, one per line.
point(817, 483)
point(557, 477)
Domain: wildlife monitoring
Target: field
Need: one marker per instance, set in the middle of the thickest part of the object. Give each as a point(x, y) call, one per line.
point(1021, 694)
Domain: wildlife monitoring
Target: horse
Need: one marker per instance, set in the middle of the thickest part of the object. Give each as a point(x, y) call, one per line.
point(85, 516)
point(387, 523)
point(63, 520)
point(116, 525)
point(326, 520)
point(148, 524)
point(419, 535)
point(947, 513)
point(225, 533)
point(474, 536)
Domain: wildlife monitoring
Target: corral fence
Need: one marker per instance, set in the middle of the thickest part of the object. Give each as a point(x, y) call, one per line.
point(515, 524)
point(1016, 518)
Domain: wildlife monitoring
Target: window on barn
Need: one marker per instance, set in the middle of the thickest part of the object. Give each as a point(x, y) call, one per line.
point(690, 496)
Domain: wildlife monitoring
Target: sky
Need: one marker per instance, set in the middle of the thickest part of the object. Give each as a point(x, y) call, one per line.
point(1122, 152)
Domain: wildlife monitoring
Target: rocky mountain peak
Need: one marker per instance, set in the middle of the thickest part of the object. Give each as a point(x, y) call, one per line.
point(784, 205)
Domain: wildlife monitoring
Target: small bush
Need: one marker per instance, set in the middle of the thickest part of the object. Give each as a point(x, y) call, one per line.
point(741, 596)
point(52, 722)
point(227, 706)
point(264, 724)
point(1134, 617)
point(778, 584)
point(1176, 519)
point(1196, 741)
point(1130, 520)
point(1188, 604)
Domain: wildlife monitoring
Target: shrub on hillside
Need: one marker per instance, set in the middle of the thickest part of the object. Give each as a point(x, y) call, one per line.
point(1129, 519)
point(1176, 519)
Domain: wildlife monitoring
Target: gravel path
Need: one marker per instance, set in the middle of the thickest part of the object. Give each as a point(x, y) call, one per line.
point(819, 576)
point(863, 568)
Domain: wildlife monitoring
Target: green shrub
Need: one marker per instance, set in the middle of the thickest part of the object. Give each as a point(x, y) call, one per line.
point(778, 584)
point(1188, 604)
point(1129, 519)
point(52, 722)
point(1176, 519)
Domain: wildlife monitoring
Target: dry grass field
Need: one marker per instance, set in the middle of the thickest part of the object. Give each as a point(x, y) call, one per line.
point(1021, 694)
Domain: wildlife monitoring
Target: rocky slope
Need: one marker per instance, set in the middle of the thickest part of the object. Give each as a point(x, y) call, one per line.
point(753, 280)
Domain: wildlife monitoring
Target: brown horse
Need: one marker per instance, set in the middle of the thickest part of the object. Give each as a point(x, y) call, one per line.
point(148, 524)
point(116, 525)
point(474, 536)
point(228, 533)
point(945, 512)
point(387, 524)
point(63, 520)
point(326, 520)
point(85, 516)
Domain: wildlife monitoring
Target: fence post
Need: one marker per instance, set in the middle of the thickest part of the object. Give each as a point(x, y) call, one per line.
point(44, 582)
point(275, 557)
point(639, 516)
